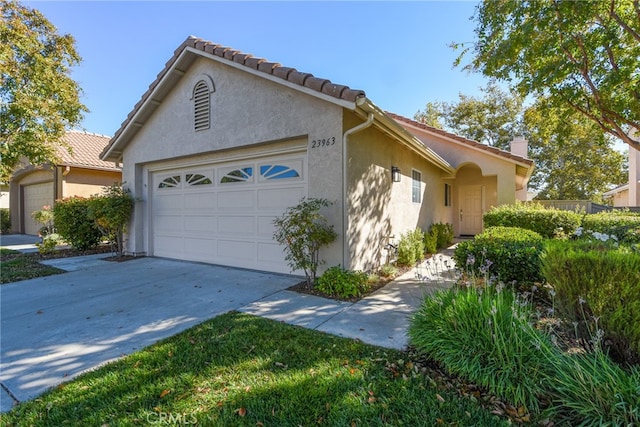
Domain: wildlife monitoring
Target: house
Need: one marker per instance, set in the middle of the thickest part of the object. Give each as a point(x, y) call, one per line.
point(628, 195)
point(222, 142)
point(80, 172)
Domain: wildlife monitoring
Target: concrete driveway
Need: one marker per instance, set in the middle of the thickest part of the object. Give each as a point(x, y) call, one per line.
point(55, 327)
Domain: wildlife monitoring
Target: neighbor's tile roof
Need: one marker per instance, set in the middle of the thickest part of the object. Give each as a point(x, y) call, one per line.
point(460, 139)
point(85, 151)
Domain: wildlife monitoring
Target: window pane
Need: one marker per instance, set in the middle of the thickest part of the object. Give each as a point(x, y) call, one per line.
point(416, 187)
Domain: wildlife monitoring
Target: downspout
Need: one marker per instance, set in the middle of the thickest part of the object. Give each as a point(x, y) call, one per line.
point(345, 158)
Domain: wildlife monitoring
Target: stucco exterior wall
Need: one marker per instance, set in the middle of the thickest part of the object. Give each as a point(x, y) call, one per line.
point(246, 111)
point(379, 208)
point(86, 182)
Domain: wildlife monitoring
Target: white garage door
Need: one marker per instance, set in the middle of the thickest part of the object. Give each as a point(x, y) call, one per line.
point(223, 214)
point(35, 196)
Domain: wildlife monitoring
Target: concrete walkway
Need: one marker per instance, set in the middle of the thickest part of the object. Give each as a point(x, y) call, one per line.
point(55, 327)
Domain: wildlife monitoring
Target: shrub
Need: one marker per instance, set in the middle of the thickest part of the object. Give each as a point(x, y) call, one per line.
point(510, 254)
point(5, 220)
point(111, 212)
point(411, 247)
point(444, 233)
point(303, 230)
point(430, 241)
point(591, 390)
point(388, 270)
point(485, 337)
point(73, 223)
point(49, 243)
point(624, 225)
point(596, 280)
point(547, 222)
point(44, 217)
point(343, 283)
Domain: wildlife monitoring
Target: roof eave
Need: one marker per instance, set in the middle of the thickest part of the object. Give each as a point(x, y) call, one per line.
point(390, 126)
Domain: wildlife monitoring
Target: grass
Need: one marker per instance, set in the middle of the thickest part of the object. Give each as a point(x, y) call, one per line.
point(15, 266)
point(241, 370)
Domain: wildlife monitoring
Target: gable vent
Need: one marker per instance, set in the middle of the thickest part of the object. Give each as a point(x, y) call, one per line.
point(201, 106)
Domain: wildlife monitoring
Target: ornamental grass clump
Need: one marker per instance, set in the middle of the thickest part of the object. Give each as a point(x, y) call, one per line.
point(485, 334)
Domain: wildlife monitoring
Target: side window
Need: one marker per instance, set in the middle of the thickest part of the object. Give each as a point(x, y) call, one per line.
point(447, 194)
point(416, 186)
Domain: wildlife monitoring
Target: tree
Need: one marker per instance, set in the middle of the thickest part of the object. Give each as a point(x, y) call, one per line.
point(38, 98)
point(432, 115)
point(303, 230)
point(574, 157)
point(492, 119)
point(579, 54)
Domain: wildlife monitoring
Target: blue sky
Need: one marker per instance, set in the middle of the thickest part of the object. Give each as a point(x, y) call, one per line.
point(397, 52)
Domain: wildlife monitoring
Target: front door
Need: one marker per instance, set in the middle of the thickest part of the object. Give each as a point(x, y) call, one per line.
point(470, 209)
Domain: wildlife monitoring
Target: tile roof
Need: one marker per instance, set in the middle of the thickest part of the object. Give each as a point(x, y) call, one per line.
point(465, 141)
point(85, 151)
point(290, 75)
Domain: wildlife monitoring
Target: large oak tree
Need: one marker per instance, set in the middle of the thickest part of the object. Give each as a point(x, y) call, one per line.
point(581, 54)
point(39, 100)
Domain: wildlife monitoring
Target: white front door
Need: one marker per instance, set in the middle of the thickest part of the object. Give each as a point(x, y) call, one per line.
point(471, 209)
point(223, 213)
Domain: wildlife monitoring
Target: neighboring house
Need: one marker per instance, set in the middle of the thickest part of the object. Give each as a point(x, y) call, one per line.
point(222, 142)
point(79, 173)
point(628, 195)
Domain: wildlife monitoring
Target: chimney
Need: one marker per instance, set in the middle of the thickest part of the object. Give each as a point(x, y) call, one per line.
point(519, 146)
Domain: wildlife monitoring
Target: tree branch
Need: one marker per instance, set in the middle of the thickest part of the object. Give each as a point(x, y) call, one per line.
point(623, 24)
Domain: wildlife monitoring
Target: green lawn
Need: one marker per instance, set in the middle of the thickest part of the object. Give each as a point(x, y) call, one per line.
point(241, 370)
point(15, 266)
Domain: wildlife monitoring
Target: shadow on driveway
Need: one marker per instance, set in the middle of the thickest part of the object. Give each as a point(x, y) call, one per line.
point(55, 327)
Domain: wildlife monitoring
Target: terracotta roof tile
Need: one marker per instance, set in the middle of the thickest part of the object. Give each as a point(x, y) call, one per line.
point(461, 139)
point(290, 75)
point(85, 151)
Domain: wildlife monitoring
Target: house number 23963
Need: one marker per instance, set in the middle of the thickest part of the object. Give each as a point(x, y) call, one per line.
point(324, 142)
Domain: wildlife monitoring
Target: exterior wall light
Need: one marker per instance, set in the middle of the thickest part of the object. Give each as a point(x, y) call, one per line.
point(395, 174)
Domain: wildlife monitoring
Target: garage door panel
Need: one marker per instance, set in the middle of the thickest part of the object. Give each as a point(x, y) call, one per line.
point(206, 201)
point(279, 198)
point(35, 197)
point(236, 250)
point(266, 228)
point(200, 249)
point(168, 223)
point(236, 200)
point(201, 224)
point(227, 220)
point(242, 225)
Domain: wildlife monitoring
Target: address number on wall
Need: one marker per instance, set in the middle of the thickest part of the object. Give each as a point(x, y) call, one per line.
point(324, 142)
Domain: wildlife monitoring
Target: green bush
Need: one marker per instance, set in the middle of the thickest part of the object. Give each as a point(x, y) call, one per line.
point(49, 243)
point(430, 241)
point(547, 222)
point(444, 233)
point(507, 254)
point(343, 283)
point(593, 279)
point(74, 225)
point(5, 220)
point(411, 248)
point(624, 225)
point(486, 337)
point(111, 212)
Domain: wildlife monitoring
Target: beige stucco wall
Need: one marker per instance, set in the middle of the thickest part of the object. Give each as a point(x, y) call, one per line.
point(247, 111)
point(86, 182)
point(380, 208)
